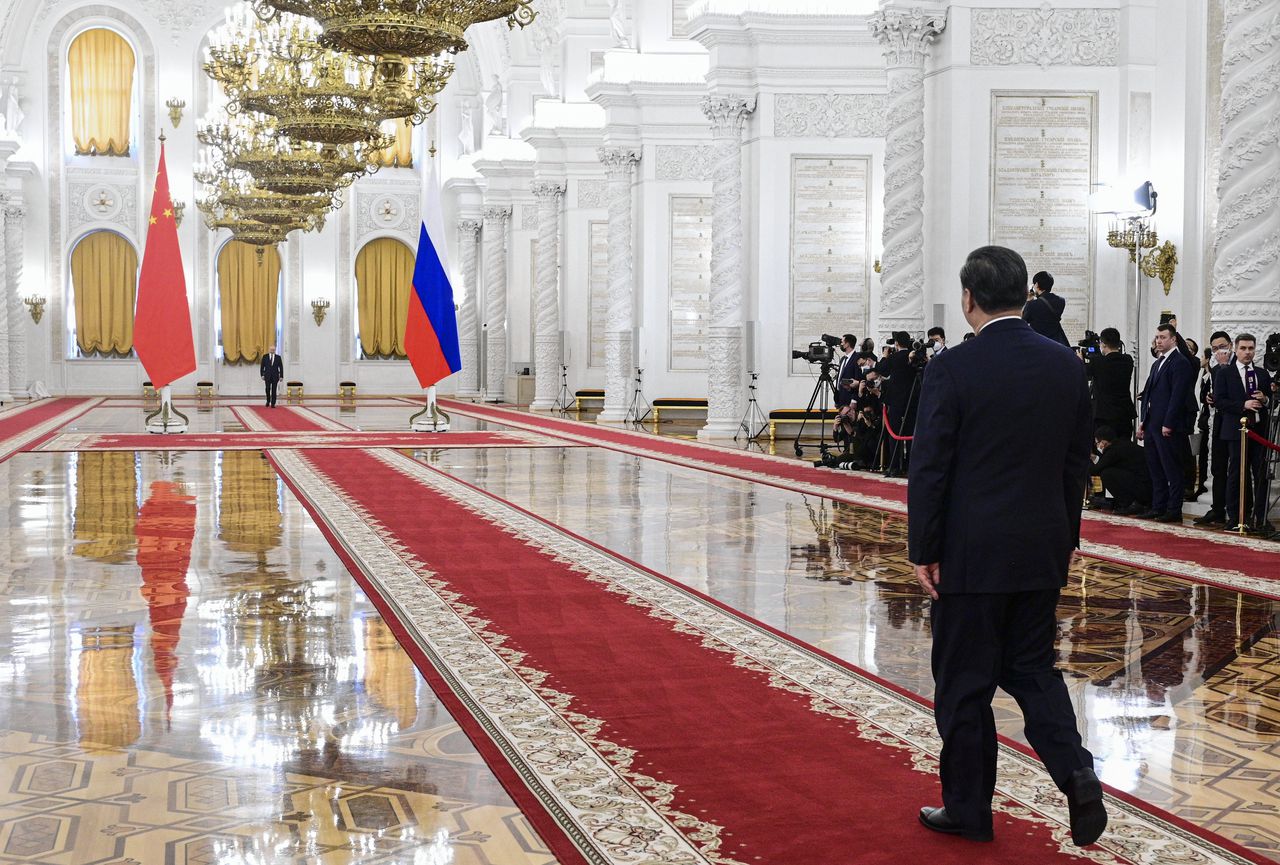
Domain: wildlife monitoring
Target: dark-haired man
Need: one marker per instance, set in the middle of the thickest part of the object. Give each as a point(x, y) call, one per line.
point(899, 381)
point(272, 370)
point(1243, 390)
point(1112, 375)
point(992, 527)
point(937, 340)
point(1219, 356)
point(1165, 425)
point(1044, 310)
point(1123, 469)
point(848, 374)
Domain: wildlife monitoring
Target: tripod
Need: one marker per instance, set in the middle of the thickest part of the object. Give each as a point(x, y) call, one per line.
point(753, 421)
point(820, 397)
point(638, 402)
point(561, 405)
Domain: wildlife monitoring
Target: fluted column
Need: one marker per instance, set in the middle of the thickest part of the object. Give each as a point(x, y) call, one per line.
point(905, 35)
point(13, 249)
point(495, 301)
point(468, 315)
point(619, 166)
point(546, 336)
point(1245, 272)
point(728, 116)
point(5, 291)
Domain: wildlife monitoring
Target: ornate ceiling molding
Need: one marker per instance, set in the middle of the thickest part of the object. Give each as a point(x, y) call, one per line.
point(1044, 37)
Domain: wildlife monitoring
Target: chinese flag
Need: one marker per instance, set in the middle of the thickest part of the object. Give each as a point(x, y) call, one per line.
point(162, 321)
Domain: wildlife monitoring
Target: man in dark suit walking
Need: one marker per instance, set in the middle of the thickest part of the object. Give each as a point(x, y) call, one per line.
point(1242, 389)
point(1044, 311)
point(993, 522)
point(1165, 424)
point(272, 369)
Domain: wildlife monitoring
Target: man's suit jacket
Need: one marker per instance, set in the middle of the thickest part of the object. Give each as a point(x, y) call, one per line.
point(896, 392)
point(1229, 399)
point(1166, 394)
point(1112, 376)
point(1000, 462)
point(1125, 456)
point(847, 369)
point(272, 371)
point(1044, 314)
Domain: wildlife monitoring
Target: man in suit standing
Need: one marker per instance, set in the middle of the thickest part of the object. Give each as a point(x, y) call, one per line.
point(899, 376)
point(1220, 356)
point(272, 370)
point(993, 522)
point(1241, 389)
point(1165, 425)
point(848, 374)
point(1112, 376)
point(1044, 310)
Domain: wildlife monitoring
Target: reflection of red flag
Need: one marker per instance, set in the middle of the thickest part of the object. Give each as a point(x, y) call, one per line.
point(162, 321)
point(165, 528)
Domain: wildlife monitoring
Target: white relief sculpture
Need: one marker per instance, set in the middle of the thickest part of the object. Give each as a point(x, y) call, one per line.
point(495, 296)
point(1045, 37)
point(728, 115)
point(831, 115)
point(468, 316)
point(619, 165)
point(14, 239)
point(618, 23)
point(906, 36)
point(495, 108)
point(546, 346)
point(466, 126)
point(684, 161)
point(1247, 264)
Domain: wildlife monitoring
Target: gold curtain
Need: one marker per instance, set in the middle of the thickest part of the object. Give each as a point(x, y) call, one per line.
point(104, 279)
point(399, 154)
point(250, 288)
point(100, 65)
point(106, 505)
point(384, 275)
point(249, 519)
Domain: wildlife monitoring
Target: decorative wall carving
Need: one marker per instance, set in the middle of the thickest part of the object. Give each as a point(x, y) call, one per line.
point(547, 294)
point(830, 115)
point(1044, 36)
point(101, 204)
point(15, 250)
point(177, 17)
point(381, 211)
point(495, 297)
point(592, 193)
point(684, 161)
point(528, 217)
point(469, 315)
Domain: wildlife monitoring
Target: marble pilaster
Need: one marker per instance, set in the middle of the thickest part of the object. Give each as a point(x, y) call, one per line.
point(546, 337)
point(905, 34)
point(495, 301)
point(15, 214)
point(5, 291)
point(619, 165)
point(468, 316)
point(728, 116)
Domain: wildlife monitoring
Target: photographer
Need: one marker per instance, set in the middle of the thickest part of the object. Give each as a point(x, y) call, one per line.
point(1044, 309)
point(899, 370)
point(847, 377)
point(1123, 468)
point(1111, 372)
point(936, 341)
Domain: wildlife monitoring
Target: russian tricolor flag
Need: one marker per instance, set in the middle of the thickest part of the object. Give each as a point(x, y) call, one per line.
point(431, 332)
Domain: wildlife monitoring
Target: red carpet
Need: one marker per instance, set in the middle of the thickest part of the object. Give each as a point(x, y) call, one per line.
point(25, 426)
point(1242, 564)
point(636, 721)
point(316, 438)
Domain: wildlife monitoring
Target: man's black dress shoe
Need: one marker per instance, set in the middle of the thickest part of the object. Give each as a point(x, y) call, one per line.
point(1088, 814)
point(1170, 517)
point(1149, 515)
point(937, 820)
point(1212, 518)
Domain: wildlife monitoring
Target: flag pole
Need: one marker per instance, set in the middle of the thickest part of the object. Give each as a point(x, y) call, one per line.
point(431, 418)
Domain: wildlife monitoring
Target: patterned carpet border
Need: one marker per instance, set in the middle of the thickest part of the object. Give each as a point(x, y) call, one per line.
point(1137, 834)
point(20, 436)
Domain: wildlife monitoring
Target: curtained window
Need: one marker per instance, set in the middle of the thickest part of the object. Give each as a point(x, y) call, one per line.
point(100, 66)
point(104, 280)
point(249, 296)
point(384, 275)
point(399, 154)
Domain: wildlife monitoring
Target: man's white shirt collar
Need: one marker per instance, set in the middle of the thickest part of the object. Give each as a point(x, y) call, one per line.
point(1018, 316)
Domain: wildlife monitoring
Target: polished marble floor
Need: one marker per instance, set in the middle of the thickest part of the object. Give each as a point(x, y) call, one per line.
point(251, 706)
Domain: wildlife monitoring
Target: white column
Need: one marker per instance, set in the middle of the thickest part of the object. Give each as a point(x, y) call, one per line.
point(546, 337)
point(5, 291)
point(14, 246)
point(495, 301)
point(468, 315)
point(619, 166)
point(905, 35)
point(1247, 268)
point(728, 116)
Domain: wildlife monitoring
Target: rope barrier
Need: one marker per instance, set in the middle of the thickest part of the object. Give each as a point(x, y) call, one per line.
point(1265, 442)
point(893, 435)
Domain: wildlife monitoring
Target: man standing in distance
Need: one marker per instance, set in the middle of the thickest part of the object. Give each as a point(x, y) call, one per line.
point(992, 524)
point(272, 371)
point(1165, 424)
point(1044, 310)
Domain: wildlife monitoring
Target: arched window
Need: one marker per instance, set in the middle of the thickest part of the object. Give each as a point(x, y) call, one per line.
point(384, 275)
point(400, 153)
point(249, 297)
point(104, 280)
point(100, 66)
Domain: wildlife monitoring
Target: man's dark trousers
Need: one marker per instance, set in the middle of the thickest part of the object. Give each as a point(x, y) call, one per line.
point(1255, 511)
point(272, 386)
point(1218, 457)
point(1164, 463)
point(1006, 640)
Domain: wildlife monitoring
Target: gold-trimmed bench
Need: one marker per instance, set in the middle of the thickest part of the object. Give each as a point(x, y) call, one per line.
point(347, 389)
point(293, 390)
point(586, 395)
point(797, 415)
point(149, 391)
point(204, 390)
point(676, 403)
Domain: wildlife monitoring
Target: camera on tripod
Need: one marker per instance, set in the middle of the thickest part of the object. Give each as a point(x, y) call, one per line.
point(1271, 354)
point(1089, 347)
point(823, 351)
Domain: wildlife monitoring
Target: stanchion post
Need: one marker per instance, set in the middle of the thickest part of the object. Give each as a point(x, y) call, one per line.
point(1244, 472)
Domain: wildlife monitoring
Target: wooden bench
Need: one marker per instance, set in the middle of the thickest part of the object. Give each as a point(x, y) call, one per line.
point(347, 389)
point(797, 415)
point(676, 403)
point(293, 390)
point(586, 395)
point(204, 390)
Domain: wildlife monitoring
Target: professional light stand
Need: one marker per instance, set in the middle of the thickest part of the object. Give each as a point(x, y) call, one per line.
point(634, 414)
point(824, 389)
point(561, 405)
point(753, 421)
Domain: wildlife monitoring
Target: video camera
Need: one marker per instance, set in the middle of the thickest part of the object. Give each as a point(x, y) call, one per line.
point(822, 351)
point(1089, 347)
point(1271, 354)
point(919, 355)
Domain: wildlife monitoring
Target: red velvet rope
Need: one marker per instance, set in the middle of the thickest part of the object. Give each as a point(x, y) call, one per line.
point(893, 435)
point(1263, 441)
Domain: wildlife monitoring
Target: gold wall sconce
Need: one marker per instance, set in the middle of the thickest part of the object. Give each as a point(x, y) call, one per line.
point(319, 308)
point(175, 107)
point(1162, 264)
point(179, 208)
point(876, 267)
point(35, 305)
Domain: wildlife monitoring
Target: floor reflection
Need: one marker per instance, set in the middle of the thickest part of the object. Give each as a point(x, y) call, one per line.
point(190, 675)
